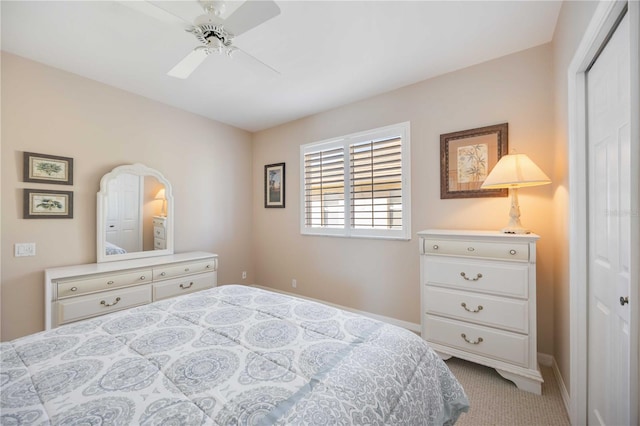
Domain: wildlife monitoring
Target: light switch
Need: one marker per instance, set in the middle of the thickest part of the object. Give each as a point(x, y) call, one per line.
point(25, 249)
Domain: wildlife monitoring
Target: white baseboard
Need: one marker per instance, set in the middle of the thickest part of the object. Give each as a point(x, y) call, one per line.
point(416, 328)
point(563, 388)
point(550, 361)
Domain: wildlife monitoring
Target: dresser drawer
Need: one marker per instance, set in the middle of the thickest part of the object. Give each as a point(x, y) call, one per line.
point(159, 221)
point(480, 249)
point(102, 303)
point(184, 285)
point(497, 344)
point(500, 278)
point(159, 232)
point(162, 273)
point(508, 314)
point(68, 288)
point(159, 244)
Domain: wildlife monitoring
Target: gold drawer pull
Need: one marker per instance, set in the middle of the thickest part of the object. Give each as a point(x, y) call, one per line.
point(162, 274)
point(463, 275)
point(470, 249)
point(435, 247)
point(512, 252)
point(478, 309)
point(74, 288)
point(110, 304)
point(184, 287)
point(477, 342)
point(142, 278)
point(208, 266)
point(109, 282)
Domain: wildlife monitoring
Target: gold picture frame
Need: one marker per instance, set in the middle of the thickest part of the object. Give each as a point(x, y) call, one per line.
point(467, 157)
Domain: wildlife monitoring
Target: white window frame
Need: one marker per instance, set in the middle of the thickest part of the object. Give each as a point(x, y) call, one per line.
point(402, 130)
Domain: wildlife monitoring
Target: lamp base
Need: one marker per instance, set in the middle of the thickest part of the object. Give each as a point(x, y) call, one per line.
point(514, 226)
point(514, 230)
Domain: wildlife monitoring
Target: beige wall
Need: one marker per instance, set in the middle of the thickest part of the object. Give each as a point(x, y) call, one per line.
point(572, 22)
point(50, 111)
point(382, 276)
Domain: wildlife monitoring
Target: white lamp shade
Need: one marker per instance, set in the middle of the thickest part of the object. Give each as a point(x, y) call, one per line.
point(160, 195)
point(515, 171)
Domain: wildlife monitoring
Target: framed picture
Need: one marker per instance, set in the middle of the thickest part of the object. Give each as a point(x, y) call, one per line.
point(274, 185)
point(467, 157)
point(46, 204)
point(48, 169)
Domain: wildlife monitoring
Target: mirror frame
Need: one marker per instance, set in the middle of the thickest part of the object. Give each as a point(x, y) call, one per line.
point(101, 214)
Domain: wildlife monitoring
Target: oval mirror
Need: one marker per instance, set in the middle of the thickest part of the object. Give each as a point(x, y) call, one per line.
point(134, 214)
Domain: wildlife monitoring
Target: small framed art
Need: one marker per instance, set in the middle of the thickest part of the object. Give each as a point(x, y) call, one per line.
point(274, 185)
point(44, 168)
point(47, 204)
point(467, 157)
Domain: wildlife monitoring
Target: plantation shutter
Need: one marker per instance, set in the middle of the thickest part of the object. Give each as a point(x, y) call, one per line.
point(376, 184)
point(358, 185)
point(324, 188)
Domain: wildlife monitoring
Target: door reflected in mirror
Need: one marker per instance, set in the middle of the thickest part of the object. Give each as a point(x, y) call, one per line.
point(134, 214)
point(131, 208)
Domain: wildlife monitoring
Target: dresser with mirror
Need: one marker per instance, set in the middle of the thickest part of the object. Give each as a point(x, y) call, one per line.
point(135, 256)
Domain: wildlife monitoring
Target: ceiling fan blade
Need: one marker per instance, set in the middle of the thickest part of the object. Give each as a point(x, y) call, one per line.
point(246, 57)
point(155, 11)
point(185, 67)
point(250, 15)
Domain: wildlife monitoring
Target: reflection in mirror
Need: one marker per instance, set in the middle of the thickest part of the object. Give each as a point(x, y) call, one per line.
point(134, 214)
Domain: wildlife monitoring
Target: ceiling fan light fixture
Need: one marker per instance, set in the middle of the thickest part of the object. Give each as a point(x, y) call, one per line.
point(215, 44)
point(216, 34)
point(215, 8)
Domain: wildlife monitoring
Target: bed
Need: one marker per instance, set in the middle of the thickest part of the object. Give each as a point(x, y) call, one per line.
point(111, 248)
point(228, 355)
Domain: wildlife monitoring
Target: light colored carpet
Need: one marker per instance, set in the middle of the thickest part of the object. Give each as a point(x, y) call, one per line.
point(496, 401)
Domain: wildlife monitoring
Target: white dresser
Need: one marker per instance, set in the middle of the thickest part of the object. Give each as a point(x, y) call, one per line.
point(478, 300)
point(77, 292)
point(159, 232)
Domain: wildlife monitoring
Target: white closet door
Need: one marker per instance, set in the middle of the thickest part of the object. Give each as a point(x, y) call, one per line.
point(124, 226)
point(609, 189)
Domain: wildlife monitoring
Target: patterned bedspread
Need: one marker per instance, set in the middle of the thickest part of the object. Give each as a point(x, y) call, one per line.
point(111, 248)
point(228, 355)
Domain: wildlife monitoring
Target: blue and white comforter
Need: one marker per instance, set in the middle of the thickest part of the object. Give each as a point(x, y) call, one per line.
point(229, 355)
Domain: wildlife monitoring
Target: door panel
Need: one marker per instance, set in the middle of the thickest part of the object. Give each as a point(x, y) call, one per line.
point(609, 193)
point(123, 213)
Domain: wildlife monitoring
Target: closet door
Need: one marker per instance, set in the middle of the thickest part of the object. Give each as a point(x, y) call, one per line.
point(609, 214)
point(124, 221)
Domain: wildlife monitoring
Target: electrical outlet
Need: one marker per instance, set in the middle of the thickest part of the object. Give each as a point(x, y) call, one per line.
point(294, 283)
point(25, 249)
point(244, 275)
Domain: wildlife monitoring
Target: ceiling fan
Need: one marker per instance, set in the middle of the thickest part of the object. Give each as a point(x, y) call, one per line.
point(215, 34)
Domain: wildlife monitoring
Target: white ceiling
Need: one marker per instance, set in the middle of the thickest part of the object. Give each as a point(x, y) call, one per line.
point(328, 53)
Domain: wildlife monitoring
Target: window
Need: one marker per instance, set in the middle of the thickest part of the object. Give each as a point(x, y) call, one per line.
point(357, 185)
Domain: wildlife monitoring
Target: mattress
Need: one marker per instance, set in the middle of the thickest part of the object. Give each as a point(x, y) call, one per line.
point(228, 355)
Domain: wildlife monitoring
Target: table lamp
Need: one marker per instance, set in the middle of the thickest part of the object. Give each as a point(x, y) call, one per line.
point(515, 171)
point(161, 196)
